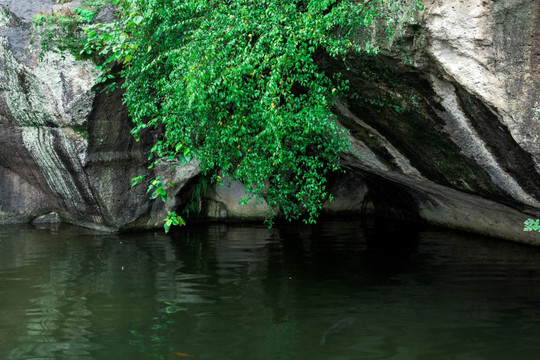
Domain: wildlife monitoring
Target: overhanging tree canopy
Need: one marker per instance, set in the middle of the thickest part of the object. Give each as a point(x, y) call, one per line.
point(235, 84)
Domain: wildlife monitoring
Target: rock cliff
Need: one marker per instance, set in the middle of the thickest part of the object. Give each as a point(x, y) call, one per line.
point(445, 120)
point(65, 149)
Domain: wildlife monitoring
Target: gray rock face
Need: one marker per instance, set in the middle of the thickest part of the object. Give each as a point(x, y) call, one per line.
point(63, 147)
point(455, 142)
point(40, 149)
point(462, 76)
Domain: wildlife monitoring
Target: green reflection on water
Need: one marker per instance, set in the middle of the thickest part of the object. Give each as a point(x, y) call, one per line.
point(280, 338)
point(239, 293)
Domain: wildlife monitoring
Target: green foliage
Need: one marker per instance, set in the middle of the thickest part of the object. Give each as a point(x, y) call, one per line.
point(156, 189)
point(63, 30)
point(196, 193)
point(81, 130)
point(235, 84)
point(172, 219)
point(136, 180)
point(532, 225)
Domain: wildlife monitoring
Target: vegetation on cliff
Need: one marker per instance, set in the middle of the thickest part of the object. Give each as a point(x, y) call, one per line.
point(231, 83)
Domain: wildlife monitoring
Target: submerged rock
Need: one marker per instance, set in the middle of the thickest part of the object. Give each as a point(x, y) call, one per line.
point(337, 327)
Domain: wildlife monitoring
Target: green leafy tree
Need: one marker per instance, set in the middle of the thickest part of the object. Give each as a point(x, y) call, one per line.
point(235, 84)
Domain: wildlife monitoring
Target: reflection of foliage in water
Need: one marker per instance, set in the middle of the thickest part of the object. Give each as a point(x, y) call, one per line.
point(280, 338)
point(56, 318)
point(154, 339)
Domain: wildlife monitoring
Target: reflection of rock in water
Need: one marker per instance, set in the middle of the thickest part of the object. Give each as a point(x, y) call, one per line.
point(58, 319)
point(337, 327)
point(391, 239)
point(242, 251)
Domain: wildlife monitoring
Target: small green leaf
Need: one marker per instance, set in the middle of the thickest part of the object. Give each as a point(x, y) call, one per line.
point(136, 180)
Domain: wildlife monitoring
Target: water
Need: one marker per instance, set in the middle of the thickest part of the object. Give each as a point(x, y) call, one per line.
point(247, 292)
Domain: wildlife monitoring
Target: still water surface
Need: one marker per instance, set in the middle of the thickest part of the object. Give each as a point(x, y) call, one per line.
point(338, 290)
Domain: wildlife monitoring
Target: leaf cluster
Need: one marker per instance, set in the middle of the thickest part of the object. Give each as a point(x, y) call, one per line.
point(531, 225)
point(63, 30)
point(235, 84)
